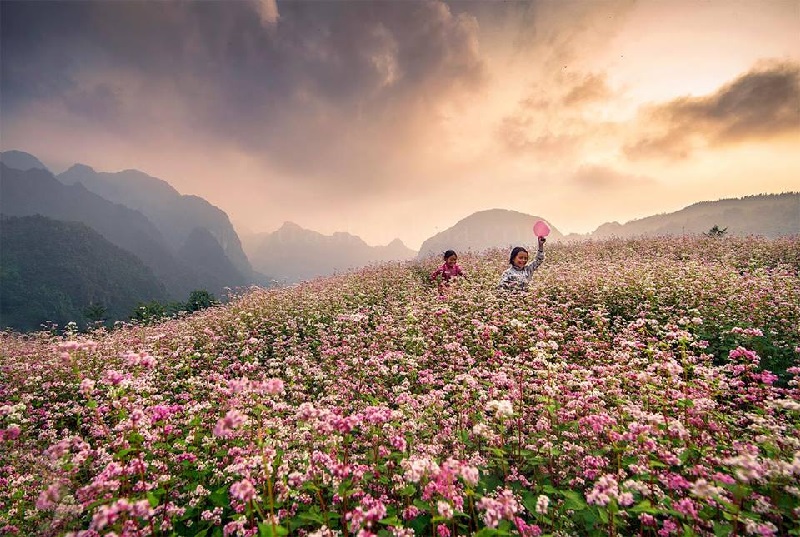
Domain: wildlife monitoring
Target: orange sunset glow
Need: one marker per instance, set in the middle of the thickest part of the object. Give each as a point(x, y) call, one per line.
point(396, 119)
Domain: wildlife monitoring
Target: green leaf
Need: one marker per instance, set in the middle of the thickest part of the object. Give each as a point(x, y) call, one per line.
point(487, 532)
point(573, 501)
point(422, 505)
point(220, 497)
point(268, 530)
point(722, 530)
point(529, 501)
point(786, 502)
point(311, 517)
point(420, 523)
point(152, 499)
point(603, 515)
point(549, 489)
point(344, 488)
point(644, 506)
point(409, 490)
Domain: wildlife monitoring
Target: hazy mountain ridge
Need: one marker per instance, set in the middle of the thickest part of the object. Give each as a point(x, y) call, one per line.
point(203, 252)
point(20, 160)
point(36, 191)
point(493, 228)
point(767, 215)
point(71, 269)
point(293, 253)
point(174, 214)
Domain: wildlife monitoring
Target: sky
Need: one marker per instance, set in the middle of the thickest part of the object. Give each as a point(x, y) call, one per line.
point(390, 119)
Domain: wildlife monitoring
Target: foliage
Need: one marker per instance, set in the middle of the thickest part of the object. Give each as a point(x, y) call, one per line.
point(716, 231)
point(95, 313)
point(57, 272)
point(200, 299)
point(627, 393)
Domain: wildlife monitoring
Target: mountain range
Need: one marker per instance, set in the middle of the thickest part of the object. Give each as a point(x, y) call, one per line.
point(495, 228)
point(187, 243)
point(38, 192)
point(176, 216)
point(72, 273)
point(767, 215)
point(293, 253)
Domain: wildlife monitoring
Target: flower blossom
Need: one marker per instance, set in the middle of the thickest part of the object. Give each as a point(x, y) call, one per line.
point(232, 420)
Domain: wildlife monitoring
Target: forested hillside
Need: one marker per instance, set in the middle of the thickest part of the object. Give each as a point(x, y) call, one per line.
point(54, 272)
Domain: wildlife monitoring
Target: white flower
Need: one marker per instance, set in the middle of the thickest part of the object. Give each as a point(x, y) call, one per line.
point(502, 408)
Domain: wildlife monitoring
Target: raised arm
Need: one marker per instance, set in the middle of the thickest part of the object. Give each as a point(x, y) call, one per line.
point(533, 265)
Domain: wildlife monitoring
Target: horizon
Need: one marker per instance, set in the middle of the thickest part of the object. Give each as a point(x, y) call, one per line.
point(454, 223)
point(390, 120)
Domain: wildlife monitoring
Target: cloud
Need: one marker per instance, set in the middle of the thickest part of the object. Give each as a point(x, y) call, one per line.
point(559, 35)
point(268, 11)
point(325, 93)
point(759, 105)
point(595, 177)
point(591, 87)
point(557, 120)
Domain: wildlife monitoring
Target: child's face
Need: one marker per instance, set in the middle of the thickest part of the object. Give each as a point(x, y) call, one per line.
point(451, 261)
point(521, 259)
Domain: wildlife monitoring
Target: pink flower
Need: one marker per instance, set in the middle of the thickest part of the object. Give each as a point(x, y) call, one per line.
point(243, 490)
point(87, 386)
point(12, 433)
point(232, 420)
point(647, 520)
point(274, 386)
point(686, 507)
point(469, 474)
point(669, 528)
point(49, 497)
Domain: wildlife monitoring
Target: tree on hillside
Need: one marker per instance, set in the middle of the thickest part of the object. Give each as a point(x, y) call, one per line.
point(95, 313)
point(150, 312)
point(200, 299)
point(716, 231)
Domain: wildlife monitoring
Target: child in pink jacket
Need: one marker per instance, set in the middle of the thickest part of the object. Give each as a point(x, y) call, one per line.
point(448, 270)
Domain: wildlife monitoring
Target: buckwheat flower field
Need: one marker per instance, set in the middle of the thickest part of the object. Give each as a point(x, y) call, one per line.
point(641, 387)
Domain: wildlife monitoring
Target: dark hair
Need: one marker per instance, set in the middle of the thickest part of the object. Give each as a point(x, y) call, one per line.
point(448, 253)
point(514, 252)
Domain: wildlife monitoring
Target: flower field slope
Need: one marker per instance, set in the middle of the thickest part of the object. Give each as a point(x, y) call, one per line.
point(640, 387)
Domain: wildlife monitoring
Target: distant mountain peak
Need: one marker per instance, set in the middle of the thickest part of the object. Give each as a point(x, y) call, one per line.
point(768, 215)
point(78, 168)
point(491, 228)
point(291, 226)
point(20, 160)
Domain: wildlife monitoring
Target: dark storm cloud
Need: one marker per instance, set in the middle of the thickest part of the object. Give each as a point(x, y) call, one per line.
point(760, 104)
point(329, 86)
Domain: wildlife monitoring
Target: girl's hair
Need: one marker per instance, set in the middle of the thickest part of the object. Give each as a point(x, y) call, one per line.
point(448, 253)
point(514, 252)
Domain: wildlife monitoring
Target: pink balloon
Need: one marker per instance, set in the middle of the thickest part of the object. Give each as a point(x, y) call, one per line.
point(541, 229)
